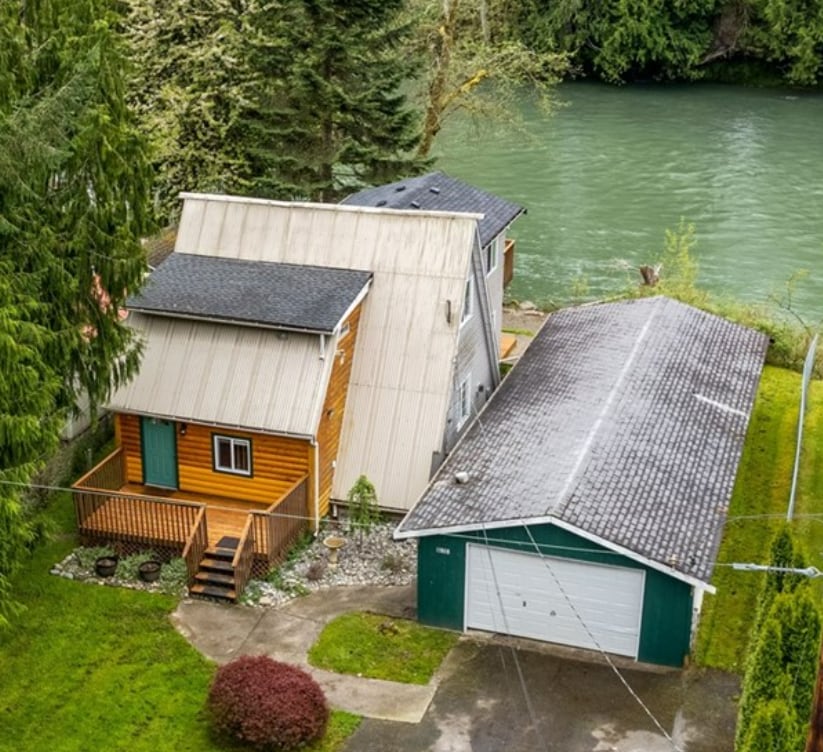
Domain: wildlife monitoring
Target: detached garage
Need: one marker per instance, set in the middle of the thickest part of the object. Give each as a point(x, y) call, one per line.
point(586, 504)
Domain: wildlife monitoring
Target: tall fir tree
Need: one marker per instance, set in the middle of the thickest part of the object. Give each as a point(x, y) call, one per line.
point(74, 200)
point(191, 81)
point(330, 114)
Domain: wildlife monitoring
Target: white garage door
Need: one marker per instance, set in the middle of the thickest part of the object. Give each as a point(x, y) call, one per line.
point(516, 594)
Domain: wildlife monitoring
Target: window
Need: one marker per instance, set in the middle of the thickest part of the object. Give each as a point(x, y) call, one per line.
point(464, 401)
point(491, 256)
point(468, 302)
point(232, 455)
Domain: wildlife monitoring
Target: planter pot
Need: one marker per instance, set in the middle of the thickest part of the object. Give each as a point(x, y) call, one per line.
point(105, 566)
point(149, 571)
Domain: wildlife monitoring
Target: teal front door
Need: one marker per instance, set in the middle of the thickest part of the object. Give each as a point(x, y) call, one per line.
point(159, 446)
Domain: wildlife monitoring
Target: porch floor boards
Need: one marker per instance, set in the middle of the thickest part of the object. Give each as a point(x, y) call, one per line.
point(209, 500)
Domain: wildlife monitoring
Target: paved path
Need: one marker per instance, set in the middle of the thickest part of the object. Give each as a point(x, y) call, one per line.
point(286, 634)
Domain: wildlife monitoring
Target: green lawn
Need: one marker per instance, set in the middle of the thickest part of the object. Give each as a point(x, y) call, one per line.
point(88, 667)
point(403, 651)
point(762, 488)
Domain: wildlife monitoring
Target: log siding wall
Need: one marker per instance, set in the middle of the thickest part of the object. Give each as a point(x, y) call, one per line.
point(277, 462)
point(331, 418)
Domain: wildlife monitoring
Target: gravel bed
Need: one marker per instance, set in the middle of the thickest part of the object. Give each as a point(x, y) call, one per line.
point(372, 558)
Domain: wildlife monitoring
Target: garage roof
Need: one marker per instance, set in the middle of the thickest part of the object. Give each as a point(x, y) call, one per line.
point(623, 421)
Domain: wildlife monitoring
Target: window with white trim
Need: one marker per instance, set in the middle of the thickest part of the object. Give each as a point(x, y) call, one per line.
point(464, 401)
point(491, 256)
point(232, 455)
point(468, 301)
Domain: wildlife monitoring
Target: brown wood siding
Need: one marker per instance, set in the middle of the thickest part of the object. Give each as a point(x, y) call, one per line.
point(277, 462)
point(331, 418)
point(127, 432)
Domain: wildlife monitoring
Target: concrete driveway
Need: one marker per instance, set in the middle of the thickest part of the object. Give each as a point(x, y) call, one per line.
point(579, 706)
point(477, 702)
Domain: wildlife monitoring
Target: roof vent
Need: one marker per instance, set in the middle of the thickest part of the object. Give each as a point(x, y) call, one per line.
point(381, 202)
point(415, 205)
point(434, 189)
point(461, 477)
point(400, 188)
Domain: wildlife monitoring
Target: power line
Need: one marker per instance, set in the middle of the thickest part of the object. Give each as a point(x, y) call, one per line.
point(600, 649)
point(515, 657)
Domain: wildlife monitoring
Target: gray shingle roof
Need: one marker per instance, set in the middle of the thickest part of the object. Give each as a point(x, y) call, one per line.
point(289, 296)
point(437, 191)
point(625, 420)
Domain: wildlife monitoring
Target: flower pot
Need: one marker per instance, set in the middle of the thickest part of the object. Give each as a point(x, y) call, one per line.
point(105, 566)
point(149, 571)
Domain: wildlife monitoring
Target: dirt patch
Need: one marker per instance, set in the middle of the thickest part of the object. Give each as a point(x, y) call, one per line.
point(523, 323)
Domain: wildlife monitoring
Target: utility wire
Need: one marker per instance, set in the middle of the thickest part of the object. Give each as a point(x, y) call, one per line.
point(551, 547)
point(522, 679)
point(602, 652)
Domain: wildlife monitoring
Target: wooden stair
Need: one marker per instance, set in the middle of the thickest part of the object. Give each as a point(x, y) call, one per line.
point(215, 577)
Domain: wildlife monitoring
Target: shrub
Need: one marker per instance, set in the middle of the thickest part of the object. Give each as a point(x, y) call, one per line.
point(127, 567)
point(174, 576)
point(88, 555)
point(315, 571)
point(362, 503)
point(267, 704)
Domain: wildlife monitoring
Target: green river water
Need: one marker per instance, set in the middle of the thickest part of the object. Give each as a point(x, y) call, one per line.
point(606, 174)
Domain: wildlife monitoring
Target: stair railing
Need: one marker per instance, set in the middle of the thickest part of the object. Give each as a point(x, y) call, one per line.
point(196, 544)
point(244, 557)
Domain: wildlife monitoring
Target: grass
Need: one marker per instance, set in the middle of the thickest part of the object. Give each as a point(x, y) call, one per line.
point(401, 651)
point(761, 490)
point(96, 667)
point(514, 330)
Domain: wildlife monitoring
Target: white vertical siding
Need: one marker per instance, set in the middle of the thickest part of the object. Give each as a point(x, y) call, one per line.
point(227, 375)
point(406, 349)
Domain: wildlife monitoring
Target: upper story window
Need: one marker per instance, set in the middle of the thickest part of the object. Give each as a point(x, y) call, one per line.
point(491, 256)
point(232, 455)
point(468, 301)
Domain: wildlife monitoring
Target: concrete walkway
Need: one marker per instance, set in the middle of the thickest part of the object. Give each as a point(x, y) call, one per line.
point(222, 633)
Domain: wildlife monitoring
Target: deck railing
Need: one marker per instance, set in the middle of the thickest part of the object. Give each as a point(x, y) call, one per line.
point(107, 517)
point(109, 473)
point(508, 261)
point(279, 526)
point(244, 557)
point(196, 545)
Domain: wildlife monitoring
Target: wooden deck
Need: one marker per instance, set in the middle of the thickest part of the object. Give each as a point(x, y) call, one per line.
point(224, 517)
point(110, 510)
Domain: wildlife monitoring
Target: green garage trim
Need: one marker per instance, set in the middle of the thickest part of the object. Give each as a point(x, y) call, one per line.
point(441, 588)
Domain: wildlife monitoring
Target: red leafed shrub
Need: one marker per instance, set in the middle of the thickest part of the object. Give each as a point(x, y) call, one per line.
point(269, 705)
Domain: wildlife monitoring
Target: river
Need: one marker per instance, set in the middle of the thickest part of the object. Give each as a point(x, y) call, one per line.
point(606, 174)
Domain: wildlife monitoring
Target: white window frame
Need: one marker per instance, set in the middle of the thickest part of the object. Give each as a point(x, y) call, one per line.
point(468, 301)
point(492, 257)
point(233, 442)
point(464, 401)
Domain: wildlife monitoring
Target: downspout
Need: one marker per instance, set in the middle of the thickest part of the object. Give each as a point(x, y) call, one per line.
point(316, 450)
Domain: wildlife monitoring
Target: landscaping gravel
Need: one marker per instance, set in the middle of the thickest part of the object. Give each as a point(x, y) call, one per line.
point(368, 558)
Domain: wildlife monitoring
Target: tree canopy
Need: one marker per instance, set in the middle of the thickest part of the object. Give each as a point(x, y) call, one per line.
point(74, 200)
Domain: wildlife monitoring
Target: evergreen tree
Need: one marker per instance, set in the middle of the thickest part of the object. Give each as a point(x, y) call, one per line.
point(329, 114)
point(191, 79)
point(74, 192)
point(772, 729)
